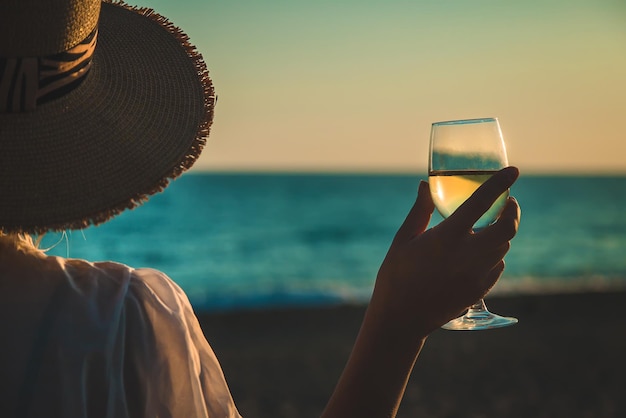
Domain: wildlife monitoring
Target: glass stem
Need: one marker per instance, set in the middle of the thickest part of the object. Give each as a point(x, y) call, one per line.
point(478, 311)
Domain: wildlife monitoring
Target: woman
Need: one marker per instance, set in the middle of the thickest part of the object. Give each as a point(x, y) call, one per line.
point(100, 105)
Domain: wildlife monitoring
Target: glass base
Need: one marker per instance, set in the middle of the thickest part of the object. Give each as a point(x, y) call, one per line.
point(479, 320)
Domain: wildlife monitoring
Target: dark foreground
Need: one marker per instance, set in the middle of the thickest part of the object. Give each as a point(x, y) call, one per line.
point(566, 358)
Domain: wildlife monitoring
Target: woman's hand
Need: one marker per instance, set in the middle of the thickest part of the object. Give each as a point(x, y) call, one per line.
point(430, 276)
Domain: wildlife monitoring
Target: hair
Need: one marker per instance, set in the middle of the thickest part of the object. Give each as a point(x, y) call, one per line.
point(21, 241)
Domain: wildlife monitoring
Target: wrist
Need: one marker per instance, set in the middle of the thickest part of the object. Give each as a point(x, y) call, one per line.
point(388, 322)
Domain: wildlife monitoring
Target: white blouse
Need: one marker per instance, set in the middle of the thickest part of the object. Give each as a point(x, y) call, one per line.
point(83, 339)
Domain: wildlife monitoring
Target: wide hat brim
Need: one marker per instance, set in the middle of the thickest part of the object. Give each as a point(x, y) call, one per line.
point(140, 118)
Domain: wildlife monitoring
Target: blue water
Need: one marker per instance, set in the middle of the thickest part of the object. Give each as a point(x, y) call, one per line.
point(236, 241)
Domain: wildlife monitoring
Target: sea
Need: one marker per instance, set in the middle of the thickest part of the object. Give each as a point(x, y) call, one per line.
point(238, 241)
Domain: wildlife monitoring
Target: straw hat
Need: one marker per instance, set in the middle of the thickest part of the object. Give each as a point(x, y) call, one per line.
point(101, 104)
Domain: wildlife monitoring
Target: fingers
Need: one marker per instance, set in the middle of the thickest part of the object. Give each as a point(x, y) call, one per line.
point(483, 282)
point(503, 230)
point(419, 216)
point(482, 260)
point(490, 279)
point(481, 200)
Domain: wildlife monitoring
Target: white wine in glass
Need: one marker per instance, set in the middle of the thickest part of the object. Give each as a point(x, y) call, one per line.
point(463, 155)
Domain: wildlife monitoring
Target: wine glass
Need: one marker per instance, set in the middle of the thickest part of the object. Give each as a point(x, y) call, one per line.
point(463, 155)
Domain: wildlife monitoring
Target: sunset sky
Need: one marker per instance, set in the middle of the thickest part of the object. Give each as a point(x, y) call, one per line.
point(354, 85)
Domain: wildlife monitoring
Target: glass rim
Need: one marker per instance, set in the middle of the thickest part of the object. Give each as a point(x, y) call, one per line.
point(464, 121)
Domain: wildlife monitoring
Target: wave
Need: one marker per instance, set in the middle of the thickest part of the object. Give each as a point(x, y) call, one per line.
point(345, 295)
point(530, 285)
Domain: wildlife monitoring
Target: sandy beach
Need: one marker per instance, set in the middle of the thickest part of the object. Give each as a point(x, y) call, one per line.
point(565, 358)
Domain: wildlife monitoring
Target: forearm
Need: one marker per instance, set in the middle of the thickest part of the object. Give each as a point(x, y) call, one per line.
point(375, 377)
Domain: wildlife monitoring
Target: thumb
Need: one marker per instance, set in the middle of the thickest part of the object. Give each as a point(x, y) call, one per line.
point(419, 216)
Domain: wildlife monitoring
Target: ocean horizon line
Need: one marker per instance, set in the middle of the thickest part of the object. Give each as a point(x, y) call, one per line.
point(389, 172)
